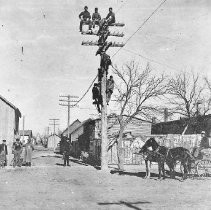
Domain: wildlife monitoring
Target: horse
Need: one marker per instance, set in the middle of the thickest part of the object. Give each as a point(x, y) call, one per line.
point(162, 155)
point(157, 154)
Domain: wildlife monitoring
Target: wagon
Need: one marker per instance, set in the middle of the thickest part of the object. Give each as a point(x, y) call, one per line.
point(201, 166)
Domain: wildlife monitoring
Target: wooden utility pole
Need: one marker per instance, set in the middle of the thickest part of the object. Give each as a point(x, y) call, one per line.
point(23, 127)
point(103, 34)
point(104, 140)
point(67, 103)
point(54, 122)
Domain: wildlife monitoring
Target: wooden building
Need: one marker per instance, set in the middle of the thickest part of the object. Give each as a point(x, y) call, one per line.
point(75, 134)
point(90, 140)
point(9, 123)
point(72, 127)
point(193, 125)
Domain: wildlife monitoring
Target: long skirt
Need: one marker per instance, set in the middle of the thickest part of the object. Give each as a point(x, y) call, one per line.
point(28, 154)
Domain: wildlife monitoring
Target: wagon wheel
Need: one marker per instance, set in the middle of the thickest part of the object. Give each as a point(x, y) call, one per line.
point(192, 171)
point(200, 169)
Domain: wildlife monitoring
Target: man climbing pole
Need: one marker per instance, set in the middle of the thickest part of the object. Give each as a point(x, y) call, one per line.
point(96, 96)
point(85, 18)
point(109, 88)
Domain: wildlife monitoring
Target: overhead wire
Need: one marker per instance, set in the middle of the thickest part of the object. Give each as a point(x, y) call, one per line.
point(140, 26)
point(149, 59)
point(86, 91)
point(122, 47)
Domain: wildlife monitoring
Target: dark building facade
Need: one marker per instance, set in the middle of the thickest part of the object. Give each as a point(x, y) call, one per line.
point(193, 125)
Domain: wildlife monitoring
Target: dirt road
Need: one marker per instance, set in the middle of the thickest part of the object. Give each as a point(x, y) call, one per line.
point(49, 185)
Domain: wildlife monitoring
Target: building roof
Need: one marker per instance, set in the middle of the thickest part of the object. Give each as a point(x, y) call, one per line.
point(11, 105)
point(26, 132)
point(71, 126)
point(54, 135)
point(81, 124)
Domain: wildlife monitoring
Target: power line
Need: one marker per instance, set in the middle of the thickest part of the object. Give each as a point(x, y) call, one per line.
point(152, 60)
point(141, 26)
point(86, 90)
point(121, 7)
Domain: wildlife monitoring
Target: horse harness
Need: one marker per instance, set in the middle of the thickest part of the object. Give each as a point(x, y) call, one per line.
point(165, 156)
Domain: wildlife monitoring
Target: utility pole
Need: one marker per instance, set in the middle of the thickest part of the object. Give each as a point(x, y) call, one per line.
point(68, 103)
point(54, 122)
point(105, 61)
point(48, 130)
point(23, 127)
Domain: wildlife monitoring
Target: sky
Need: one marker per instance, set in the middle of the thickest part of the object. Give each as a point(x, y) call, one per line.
point(53, 61)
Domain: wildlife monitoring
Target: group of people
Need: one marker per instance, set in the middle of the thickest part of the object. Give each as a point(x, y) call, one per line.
point(96, 92)
point(86, 18)
point(17, 149)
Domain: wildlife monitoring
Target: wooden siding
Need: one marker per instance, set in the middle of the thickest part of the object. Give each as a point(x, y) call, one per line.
point(72, 127)
point(136, 127)
point(75, 134)
point(7, 125)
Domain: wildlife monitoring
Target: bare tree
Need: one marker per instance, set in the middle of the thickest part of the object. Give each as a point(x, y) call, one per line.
point(206, 97)
point(137, 95)
point(185, 93)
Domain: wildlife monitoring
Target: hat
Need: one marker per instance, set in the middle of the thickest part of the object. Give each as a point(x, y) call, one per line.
point(203, 132)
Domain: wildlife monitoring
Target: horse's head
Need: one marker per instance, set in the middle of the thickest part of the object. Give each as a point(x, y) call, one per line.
point(150, 143)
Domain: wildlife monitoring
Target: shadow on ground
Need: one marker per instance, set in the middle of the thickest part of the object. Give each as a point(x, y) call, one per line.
point(47, 156)
point(128, 204)
point(138, 174)
point(143, 174)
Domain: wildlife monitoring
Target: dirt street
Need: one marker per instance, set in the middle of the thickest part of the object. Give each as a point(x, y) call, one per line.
point(49, 185)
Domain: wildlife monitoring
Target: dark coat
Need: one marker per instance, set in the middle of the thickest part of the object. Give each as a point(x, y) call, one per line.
point(204, 142)
point(112, 16)
point(66, 147)
point(85, 15)
point(96, 16)
point(17, 146)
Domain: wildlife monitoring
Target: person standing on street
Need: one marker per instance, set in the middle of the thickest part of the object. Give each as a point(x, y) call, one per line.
point(28, 152)
point(4, 152)
point(17, 149)
point(66, 150)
